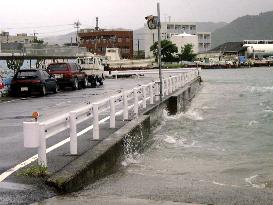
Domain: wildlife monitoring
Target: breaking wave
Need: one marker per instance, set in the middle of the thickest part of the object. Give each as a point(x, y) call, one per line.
point(251, 182)
point(261, 89)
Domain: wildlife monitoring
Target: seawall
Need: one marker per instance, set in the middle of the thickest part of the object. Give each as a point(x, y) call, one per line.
point(106, 157)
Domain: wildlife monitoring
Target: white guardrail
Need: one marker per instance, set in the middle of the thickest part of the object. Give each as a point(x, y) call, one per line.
point(37, 133)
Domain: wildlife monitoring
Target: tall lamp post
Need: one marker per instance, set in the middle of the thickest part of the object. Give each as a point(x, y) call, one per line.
point(153, 22)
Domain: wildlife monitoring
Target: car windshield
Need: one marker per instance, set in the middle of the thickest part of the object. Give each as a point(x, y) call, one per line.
point(57, 67)
point(27, 74)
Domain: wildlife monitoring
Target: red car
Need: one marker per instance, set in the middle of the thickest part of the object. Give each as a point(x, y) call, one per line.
point(2, 85)
point(68, 74)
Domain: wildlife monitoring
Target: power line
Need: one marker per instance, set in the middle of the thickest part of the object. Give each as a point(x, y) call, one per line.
point(34, 27)
point(56, 31)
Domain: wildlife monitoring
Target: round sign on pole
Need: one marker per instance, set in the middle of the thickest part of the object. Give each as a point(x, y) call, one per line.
point(151, 22)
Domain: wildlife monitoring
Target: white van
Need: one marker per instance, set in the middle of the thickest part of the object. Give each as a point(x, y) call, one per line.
point(94, 69)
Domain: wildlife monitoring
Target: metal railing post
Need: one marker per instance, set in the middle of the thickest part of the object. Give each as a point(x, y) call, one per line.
point(179, 81)
point(125, 106)
point(112, 112)
point(171, 85)
point(42, 161)
point(136, 101)
point(96, 128)
point(144, 96)
point(167, 86)
point(151, 94)
point(73, 133)
point(157, 91)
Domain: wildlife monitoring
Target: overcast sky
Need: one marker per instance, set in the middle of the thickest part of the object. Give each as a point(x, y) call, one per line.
point(51, 17)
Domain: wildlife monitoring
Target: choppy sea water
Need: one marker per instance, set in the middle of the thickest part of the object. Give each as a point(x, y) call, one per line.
point(220, 151)
point(226, 137)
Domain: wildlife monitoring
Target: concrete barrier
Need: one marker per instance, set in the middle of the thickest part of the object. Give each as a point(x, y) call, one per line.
point(106, 157)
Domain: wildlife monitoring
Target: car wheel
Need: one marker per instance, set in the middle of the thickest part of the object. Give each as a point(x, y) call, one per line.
point(56, 89)
point(100, 81)
point(85, 83)
point(75, 84)
point(43, 90)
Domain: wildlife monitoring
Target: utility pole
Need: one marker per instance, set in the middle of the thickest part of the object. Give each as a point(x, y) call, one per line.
point(34, 34)
point(77, 26)
point(159, 50)
point(153, 22)
point(137, 48)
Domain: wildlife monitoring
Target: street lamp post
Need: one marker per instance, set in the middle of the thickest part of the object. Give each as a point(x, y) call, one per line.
point(153, 22)
point(159, 50)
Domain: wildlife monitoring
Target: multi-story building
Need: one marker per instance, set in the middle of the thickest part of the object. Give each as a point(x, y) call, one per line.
point(204, 41)
point(97, 40)
point(180, 40)
point(169, 29)
point(5, 37)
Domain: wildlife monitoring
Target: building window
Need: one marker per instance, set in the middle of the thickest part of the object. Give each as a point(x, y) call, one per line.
point(178, 27)
point(119, 40)
point(127, 40)
point(170, 26)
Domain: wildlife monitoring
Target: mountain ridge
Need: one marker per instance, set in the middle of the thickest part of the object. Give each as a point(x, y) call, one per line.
point(248, 27)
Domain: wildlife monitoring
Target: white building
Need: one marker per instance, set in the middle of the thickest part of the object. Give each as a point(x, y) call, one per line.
point(5, 37)
point(168, 29)
point(182, 39)
point(204, 41)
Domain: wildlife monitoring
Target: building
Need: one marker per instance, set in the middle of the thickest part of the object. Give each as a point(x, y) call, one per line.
point(204, 41)
point(168, 29)
point(5, 37)
point(181, 40)
point(97, 40)
point(226, 51)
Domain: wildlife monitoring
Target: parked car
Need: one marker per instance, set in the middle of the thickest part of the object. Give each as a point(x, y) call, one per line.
point(68, 74)
point(94, 69)
point(2, 85)
point(31, 81)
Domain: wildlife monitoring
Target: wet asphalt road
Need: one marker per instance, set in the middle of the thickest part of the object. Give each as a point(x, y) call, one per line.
point(15, 111)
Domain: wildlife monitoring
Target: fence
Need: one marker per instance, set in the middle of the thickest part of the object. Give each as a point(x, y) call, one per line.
point(124, 104)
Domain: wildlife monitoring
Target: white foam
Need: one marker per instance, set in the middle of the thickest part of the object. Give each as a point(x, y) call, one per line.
point(170, 140)
point(217, 183)
point(261, 89)
point(253, 122)
point(166, 116)
point(250, 181)
point(183, 143)
point(193, 115)
point(268, 111)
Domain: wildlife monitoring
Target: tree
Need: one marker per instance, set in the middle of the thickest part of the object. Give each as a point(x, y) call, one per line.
point(168, 49)
point(187, 53)
point(38, 41)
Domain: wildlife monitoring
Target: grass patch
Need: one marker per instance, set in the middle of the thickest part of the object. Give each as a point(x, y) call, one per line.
point(35, 171)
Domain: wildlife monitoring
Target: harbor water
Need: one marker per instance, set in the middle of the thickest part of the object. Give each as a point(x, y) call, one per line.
point(220, 151)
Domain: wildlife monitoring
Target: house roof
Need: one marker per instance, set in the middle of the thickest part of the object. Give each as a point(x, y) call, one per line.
point(229, 47)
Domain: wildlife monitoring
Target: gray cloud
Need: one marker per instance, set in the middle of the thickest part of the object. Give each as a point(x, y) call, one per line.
point(30, 15)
